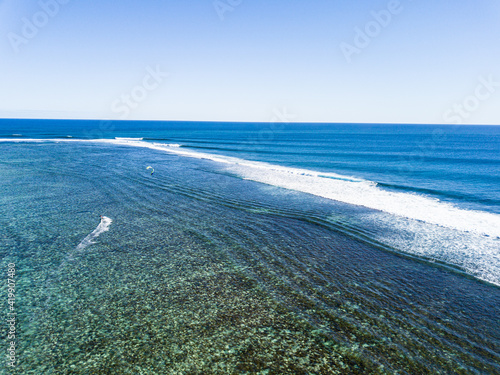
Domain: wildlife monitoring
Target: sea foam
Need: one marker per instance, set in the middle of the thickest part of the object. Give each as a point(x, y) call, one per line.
point(350, 190)
point(415, 224)
point(337, 187)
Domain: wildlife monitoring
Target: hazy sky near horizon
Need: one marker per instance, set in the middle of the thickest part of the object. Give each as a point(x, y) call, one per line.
point(240, 60)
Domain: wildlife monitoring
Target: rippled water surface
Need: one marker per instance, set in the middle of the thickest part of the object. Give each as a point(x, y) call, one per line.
point(202, 272)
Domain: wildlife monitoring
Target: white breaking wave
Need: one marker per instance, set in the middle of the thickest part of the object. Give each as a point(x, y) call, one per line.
point(26, 140)
point(474, 253)
point(368, 194)
point(412, 223)
point(350, 190)
point(337, 187)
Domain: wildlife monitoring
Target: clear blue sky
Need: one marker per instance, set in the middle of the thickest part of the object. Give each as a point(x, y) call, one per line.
point(231, 60)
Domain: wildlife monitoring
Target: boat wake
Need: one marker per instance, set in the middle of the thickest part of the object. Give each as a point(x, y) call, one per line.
point(87, 241)
point(90, 239)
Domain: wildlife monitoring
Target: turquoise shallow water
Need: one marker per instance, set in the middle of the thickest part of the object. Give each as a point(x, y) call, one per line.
point(202, 272)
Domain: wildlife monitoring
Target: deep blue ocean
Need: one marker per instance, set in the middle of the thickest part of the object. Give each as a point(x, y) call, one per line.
point(457, 164)
point(253, 247)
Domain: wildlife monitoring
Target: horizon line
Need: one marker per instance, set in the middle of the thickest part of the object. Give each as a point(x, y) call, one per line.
point(245, 122)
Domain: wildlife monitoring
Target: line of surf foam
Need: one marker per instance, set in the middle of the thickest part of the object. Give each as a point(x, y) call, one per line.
point(337, 187)
point(26, 140)
point(352, 191)
point(473, 253)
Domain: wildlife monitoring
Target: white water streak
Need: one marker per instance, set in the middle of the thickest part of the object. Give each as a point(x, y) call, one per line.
point(90, 239)
point(87, 241)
